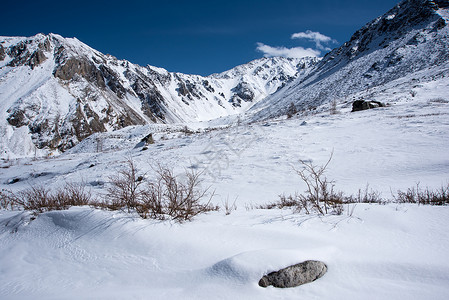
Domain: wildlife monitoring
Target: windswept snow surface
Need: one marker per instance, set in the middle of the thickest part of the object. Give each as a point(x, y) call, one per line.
point(372, 251)
point(381, 252)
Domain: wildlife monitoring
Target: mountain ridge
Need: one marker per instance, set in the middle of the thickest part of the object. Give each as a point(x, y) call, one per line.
point(411, 37)
point(57, 91)
point(70, 91)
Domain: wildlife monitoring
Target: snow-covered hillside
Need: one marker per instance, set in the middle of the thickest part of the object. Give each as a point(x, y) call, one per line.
point(409, 41)
point(56, 91)
point(372, 251)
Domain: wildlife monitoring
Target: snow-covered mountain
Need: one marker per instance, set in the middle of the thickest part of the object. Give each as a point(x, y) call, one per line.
point(56, 91)
point(411, 41)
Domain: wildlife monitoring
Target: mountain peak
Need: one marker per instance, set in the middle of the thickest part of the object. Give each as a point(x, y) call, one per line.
point(57, 91)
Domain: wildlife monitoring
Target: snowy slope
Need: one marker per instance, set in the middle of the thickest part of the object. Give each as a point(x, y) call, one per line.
point(404, 42)
point(372, 251)
point(391, 251)
point(56, 91)
point(380, 252)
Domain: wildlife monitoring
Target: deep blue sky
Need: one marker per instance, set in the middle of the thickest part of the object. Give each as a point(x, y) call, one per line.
point(196, 37)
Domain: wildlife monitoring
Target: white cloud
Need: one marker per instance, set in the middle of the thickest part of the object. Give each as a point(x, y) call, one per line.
point(319, 39)
point(296, 52)
point(316, 37)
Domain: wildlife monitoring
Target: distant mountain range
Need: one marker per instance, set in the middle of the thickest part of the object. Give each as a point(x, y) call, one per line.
point(55, 91)
point(63, 91)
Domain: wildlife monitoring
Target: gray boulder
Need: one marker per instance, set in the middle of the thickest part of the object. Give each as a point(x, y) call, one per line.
point(295, 275)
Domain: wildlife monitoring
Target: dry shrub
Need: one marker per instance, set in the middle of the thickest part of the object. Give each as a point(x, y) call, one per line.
point(167, 197)
point(424, 196)
point(40, 199)
point(319, 195)
point(228, 207)
point(170, 196)
point(125, 188)
point(365, 196)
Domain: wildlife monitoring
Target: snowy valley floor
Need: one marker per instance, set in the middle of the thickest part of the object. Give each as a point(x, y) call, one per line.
point(372, 251)
point(380, 252)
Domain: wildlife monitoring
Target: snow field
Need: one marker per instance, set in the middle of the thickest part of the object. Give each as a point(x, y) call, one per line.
point(380, 251)
point(372, 251)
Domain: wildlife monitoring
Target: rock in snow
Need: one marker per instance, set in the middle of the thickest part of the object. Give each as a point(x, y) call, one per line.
point(305, 272)
point(363, 105)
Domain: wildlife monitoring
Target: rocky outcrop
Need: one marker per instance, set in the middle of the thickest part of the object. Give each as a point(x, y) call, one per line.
point(151, 100)
point(17, 118)
point(112, 80)
point(242, 92)
point(86, 122)
point(19, 54)
point(36, 59)
point(441, 3)
point(81, 67)
point(2, 53)
point(295, 275)
point(363, 105)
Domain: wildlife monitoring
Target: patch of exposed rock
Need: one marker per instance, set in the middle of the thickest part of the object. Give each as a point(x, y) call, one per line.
point(2, 53)
point(363, 105)
point(81, 67)
point(295, 275)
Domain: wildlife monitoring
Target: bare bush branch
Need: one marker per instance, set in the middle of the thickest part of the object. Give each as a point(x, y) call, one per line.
point(125, 190)
point(229, 207)
point(424, 197)
point(170, 197)
point(40, 199)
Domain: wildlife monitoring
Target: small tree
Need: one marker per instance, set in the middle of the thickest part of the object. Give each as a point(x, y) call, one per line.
point(291, 110)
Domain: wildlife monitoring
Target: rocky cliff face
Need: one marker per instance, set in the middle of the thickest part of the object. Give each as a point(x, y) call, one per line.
point(410, 38)
point(62, 91)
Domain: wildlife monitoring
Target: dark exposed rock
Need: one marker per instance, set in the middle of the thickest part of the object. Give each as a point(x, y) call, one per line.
point(94, 121)
point(45, 45)
point(363, 105)
point(163, 79)
point(152, 101)
point(242, 92)
point(19, 54)
point(36, 59)
point(82, 67)
point(113, 81)
point(17, 50)
point(17, 118)
point(2, 53)
point(442, 3)
point(440, 24)
point(208, 87)
point(295, 275)
point(182, 89)
point(60, 54)
point(187, 89)
point(86, 122)
point(147, 140)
